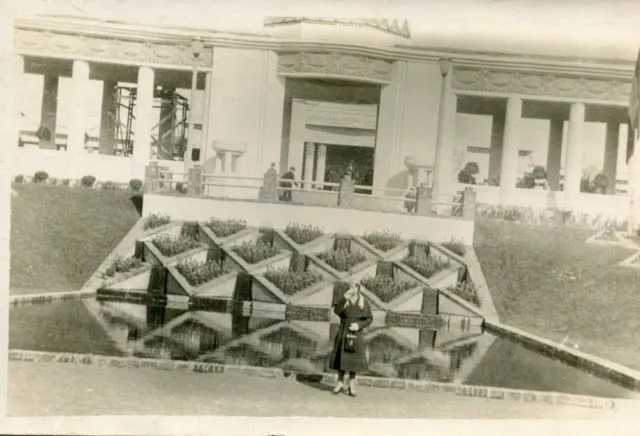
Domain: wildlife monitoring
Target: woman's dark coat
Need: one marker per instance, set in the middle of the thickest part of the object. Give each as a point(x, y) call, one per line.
point(351, 313)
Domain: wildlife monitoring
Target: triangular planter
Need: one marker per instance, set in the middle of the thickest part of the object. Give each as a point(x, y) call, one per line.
point(317, 295)
point(133, 280)
point(152, 255)
point(398, 252)
point(355, 272)
point(207, 236)
point(284, 241)
point(220, 287)
point(280, 260)
point(632, 261)
point(172, 228)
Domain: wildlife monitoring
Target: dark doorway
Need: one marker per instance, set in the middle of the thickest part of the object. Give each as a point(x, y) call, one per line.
point(342, 158)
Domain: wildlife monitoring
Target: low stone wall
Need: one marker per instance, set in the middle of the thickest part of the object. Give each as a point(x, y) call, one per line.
point(333, 220)
point(585, 361)
point(494, 393)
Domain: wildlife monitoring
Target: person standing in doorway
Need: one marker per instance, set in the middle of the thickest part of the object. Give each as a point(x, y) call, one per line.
point(348, 356)
point(289, 175)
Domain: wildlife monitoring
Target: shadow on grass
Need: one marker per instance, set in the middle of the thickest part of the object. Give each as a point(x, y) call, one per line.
point(137, 200)
point(313, 381)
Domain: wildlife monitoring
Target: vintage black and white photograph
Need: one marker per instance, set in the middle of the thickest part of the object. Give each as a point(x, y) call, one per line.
point(391, 210)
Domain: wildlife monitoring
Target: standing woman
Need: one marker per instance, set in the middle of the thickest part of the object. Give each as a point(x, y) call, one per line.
point(348, 356)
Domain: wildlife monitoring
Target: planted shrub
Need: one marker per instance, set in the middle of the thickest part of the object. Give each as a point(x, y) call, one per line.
point(425, 265)
point(109, 186)
point(40, 177)
point(171, 246)
point(303, 233)
point(156, 220)
point(52, 181)
point(88, 181)
point(456, 246)
point(256, 252)
point(290, 282)
point(383, 241)
point(468, 292)
point(342, 259)
point(135, 184)
point(181, 188)
point(228, 227)
point(198, 273)
point(385, 288)
point(121, 265)
point(65, 182)
point(19, 178)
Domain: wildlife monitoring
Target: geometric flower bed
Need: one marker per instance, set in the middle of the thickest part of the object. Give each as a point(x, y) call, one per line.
point(297, 266)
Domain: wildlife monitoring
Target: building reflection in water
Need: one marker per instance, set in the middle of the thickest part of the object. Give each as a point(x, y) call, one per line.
point(240, 336)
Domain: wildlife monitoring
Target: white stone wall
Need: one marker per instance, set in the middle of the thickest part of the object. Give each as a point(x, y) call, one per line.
point(246, 106)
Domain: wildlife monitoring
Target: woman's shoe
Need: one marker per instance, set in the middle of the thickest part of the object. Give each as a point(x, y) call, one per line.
point(352, 393)
point(337, 390)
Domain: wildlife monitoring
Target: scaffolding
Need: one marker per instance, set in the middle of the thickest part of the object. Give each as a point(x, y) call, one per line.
point(168, 136)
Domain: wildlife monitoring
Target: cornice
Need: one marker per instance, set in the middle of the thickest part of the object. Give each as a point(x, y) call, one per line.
point(172, 35)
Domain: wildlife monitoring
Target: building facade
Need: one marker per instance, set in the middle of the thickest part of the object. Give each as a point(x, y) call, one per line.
point(322, 96)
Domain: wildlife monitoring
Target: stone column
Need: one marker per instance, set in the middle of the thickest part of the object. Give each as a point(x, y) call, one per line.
point(204, 133)
point(495, 150)
point(573, 159)
point(611, 155)
point(554, 153)
point(108, 117)
point(321, 161)
point(445, 138)
point(145, 118)
point(510, 149)
point(49, 113)
point(16, 72)
point(77, 118)
point(309, 157)
point(228, 157)
point(634, 180)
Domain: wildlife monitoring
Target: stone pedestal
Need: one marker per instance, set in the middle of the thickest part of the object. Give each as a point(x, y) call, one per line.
point(423, 200)
point(345, 193)
point(469, 204)
point(151, 178)
point(195, 181)
point(269, 190)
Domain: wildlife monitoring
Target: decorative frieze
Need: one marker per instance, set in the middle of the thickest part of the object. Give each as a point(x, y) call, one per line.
point(335, 65)
point(47, 44)
point(512, 82)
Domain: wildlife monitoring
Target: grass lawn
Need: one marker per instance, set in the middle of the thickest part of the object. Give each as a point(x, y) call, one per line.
point(549, 281)
point(61, 235)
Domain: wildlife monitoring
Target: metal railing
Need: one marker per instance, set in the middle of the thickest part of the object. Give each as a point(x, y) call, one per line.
point(272, 188)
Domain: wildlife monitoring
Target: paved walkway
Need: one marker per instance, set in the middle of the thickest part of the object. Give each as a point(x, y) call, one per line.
point(45, 389)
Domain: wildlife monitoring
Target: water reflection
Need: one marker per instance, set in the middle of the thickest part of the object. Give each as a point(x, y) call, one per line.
point(450, 352)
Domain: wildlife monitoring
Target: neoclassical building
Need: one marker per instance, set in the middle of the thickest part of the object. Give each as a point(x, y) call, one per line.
point(321, 95)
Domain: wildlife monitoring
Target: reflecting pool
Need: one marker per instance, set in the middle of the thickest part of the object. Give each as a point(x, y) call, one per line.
point(236, 334)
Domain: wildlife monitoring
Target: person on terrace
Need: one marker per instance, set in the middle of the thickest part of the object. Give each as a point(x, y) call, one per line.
point(289, 175)
point(348, 356)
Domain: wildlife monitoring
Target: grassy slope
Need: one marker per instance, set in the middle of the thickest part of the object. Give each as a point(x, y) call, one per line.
point(550, 282)
point(59, 236)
